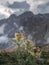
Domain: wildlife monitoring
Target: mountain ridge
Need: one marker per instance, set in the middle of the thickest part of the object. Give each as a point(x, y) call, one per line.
point(35, 26)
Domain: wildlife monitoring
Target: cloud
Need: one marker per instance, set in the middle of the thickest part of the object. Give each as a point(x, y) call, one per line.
point(8, 7)
point(2, 29)
point(36, 6)
point(5, 12)
point(11, 1)
point(39, 6)
point(44, 8)
point(19, 5)
point(2, 16)
point(3, 39)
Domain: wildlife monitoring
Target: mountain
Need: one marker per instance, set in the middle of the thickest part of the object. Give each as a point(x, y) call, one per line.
point(35, 27)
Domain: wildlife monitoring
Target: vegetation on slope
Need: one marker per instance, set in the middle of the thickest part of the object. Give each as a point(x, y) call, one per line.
point(26, 54)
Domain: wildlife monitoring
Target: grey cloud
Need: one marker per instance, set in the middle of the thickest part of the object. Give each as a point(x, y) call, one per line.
point(43, 8)
point(2, 16)
point(19, 5)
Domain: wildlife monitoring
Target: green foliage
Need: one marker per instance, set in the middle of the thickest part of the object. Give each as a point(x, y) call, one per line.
point(17, 58)
point(21, 57)
point(24, 55)
point(45, 55)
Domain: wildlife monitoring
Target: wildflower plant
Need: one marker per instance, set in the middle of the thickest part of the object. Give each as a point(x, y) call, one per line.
point(28, 44)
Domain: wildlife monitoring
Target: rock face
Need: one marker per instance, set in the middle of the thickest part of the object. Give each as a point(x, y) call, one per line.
point(37, 26)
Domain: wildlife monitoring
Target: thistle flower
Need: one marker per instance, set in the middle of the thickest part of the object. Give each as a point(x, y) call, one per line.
point(48, 60)
point(28, 44)
point(19, 36)
point(36, 51)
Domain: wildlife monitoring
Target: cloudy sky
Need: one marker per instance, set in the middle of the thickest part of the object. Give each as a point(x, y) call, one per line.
point(8, 7)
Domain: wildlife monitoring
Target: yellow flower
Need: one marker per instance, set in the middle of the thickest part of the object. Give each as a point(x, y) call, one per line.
point(19, 36)
point(36, 51)
point(28, 44)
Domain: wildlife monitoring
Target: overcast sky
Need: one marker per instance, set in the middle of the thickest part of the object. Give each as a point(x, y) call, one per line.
point(8, 7)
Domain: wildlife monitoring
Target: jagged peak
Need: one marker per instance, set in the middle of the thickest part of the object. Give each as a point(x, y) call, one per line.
point(27, 14)
point(13, 16)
